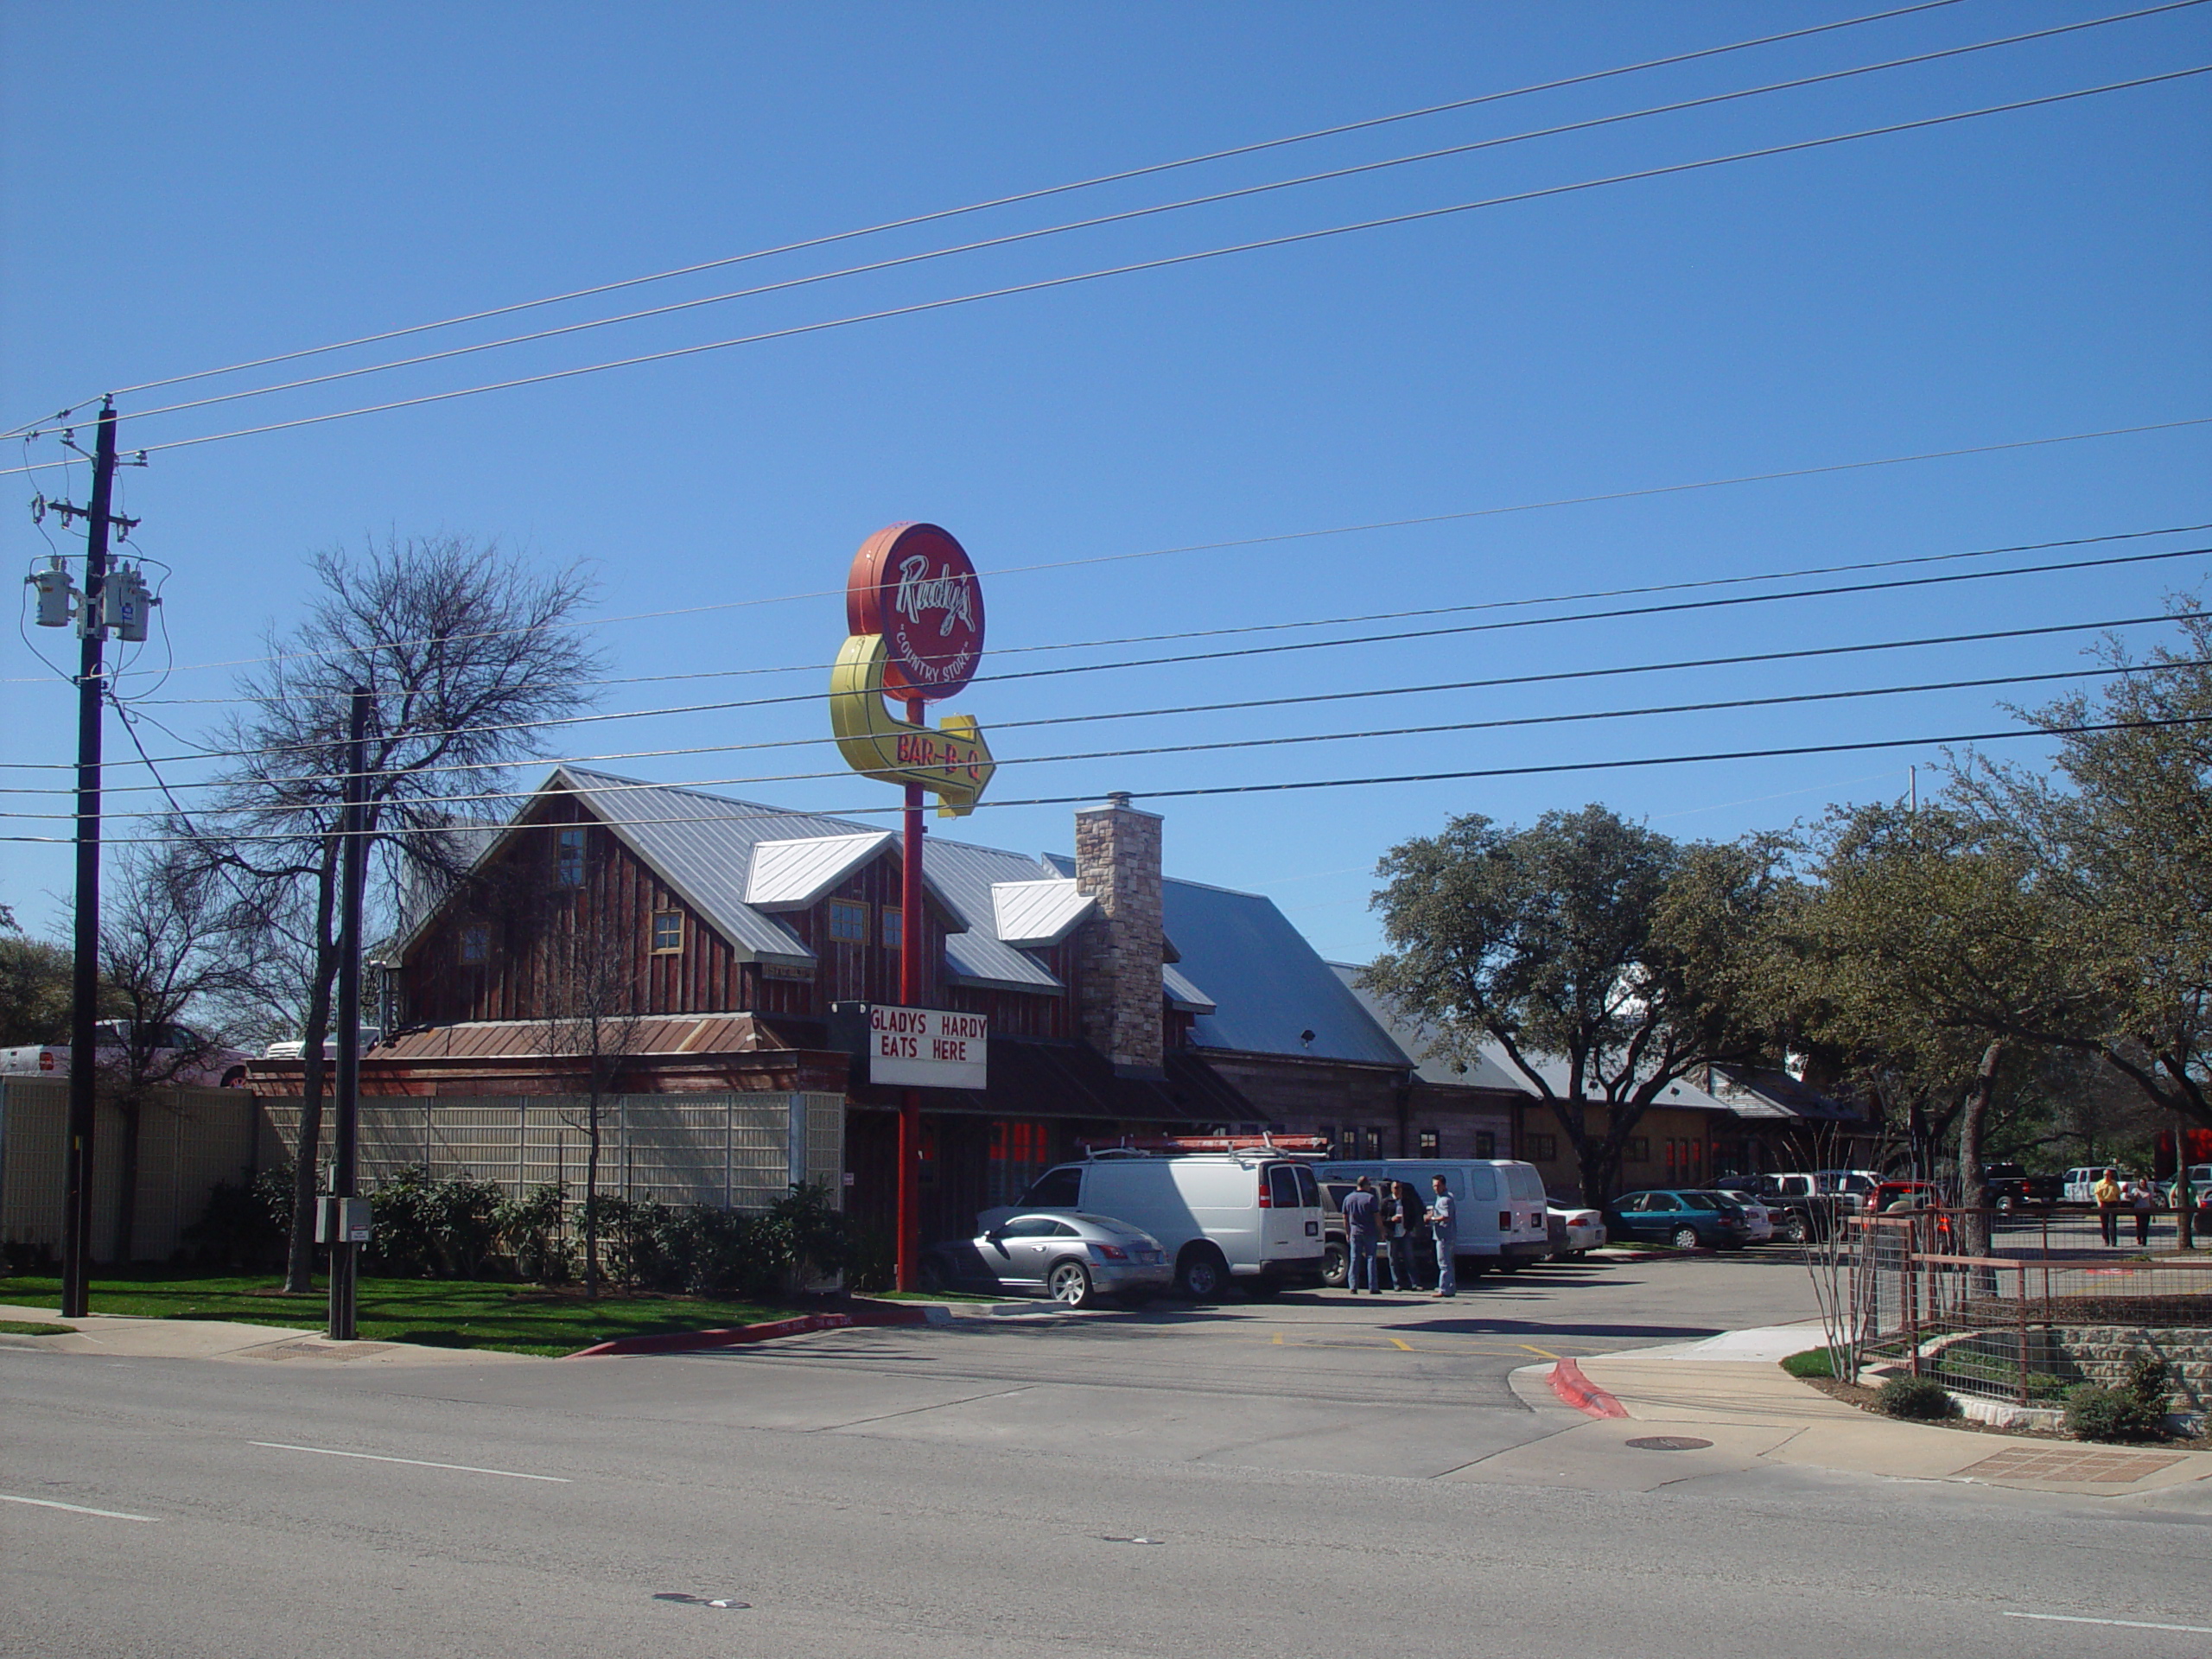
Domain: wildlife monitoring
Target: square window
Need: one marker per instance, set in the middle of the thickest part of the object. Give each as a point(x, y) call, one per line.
point(475, 945)
point(894, 929)
point(569, 857)
point(668, 931)
point(1485, 1143)
point(1375, 1143)
point(847, 922)
point(1428, 1143)
point(1638, 1150)
point(1543, 1148)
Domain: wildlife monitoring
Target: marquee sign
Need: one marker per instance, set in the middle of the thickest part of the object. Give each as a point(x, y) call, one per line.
point(915, 609)
point(926, 1048)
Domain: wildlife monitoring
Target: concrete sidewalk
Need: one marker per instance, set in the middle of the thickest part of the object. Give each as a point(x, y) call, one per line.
point(1731, 1393)
point(128, 1339)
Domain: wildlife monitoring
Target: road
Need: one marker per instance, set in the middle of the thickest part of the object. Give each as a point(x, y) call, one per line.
point(1313, 1476)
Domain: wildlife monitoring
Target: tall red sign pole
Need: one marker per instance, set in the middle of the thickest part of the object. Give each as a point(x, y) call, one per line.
point(910, 993)
point(914, 615)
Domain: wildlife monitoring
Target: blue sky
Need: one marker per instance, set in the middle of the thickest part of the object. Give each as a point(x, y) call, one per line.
point(188, 187)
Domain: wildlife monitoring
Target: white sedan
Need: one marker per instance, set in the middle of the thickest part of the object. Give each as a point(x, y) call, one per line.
point(1584, 1228)
point(1757, 1215)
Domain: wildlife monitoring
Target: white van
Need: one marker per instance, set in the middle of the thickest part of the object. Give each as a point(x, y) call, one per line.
point(1501, 1203)
point(1246, 1217)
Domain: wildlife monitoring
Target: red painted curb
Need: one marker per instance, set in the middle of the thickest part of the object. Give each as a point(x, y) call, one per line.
point(681, 1342)
point(1578, 1391)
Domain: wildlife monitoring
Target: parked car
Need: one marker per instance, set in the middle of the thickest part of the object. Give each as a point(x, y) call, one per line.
point(1501, 1202)
point(1757, 1216)
point(2008, 1187)
point(1688, 1218)
point(293, 1048)
point(1250, 1217)
point(1073, 1259)
point(1578, 1228)
point(176, 1054)
point(1900, 1192)
point(2200, 1185)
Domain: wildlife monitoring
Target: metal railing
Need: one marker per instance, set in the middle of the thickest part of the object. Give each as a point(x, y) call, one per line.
point(2048, 1306)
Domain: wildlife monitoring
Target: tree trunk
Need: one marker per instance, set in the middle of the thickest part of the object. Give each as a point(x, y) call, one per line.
point(130, 1106)
point(1973, 1238)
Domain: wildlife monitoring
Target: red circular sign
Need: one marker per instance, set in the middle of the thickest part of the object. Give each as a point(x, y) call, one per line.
point(913, 585)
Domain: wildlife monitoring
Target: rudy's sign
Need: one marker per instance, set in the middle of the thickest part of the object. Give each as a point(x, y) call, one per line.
point(926, 1048)
point(914, 619)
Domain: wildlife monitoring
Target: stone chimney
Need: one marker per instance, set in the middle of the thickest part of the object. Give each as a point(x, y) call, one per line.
point(1117, 863)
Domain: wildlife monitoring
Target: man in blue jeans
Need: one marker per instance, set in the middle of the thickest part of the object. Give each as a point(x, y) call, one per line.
point(1444, 1228)
point(1362, 1211)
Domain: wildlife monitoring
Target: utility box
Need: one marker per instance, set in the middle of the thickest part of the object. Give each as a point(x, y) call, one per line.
point(341, 1221)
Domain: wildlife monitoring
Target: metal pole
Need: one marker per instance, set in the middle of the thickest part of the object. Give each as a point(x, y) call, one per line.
point(353, 860)
point(85, 986)
point(910, 995)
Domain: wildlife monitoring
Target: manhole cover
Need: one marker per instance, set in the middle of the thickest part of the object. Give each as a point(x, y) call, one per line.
point(1669, 1443)
point(698, 1601)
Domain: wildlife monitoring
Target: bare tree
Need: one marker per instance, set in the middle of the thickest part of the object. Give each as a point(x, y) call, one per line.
point(467, 655)
point(591, 1003)
point(169, 946)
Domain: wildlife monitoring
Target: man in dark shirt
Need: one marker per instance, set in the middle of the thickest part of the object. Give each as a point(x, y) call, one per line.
point(1361, 1214)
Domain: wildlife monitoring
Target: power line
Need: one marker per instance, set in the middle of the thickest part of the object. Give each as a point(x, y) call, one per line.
point(1489, 683)
point(1374, 616)
point(1165, 262)
point(1626, 611)
point(1127, 215)
point(753, 809)
point(1597, 499)
point(1504, 723)
point(1027, 196)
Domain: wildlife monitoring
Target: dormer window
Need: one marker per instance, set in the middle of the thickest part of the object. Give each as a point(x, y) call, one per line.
point(475, 945)
point(894, 930)
point(668, 932)
point(847, 922)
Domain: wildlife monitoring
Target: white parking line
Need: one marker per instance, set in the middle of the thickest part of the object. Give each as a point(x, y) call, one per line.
point(2124, 1624)
point(420, 1463)
point(75, 1509)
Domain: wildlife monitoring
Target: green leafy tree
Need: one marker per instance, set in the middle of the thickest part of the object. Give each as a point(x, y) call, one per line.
point(1584, 945)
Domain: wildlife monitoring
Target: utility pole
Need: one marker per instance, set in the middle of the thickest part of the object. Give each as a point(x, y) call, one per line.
point(353, 860)
point(84, 1048)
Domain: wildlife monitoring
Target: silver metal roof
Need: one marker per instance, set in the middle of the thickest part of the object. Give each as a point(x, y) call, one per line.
point(1183, 994)
point(793, 875)
point(1036, 913)
point(1431, 1062)
point(1270, 986)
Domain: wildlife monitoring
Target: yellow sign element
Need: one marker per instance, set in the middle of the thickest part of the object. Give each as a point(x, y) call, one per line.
point(952, 760)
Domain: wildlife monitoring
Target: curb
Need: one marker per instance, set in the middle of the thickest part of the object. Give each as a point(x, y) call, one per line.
point(685, 1342)
point(1577, 1390)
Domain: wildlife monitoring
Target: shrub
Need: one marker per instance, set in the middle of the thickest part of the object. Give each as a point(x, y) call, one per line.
point(432, 1229)
point(530, 1229)
point(245, 1225)
point(2136, 1410)
point(1920, 1399)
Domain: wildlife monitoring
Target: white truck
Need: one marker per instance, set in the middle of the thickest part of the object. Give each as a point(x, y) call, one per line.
point(176, 1054)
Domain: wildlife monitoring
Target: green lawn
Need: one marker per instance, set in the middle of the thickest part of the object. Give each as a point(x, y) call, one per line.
point(443, 1313)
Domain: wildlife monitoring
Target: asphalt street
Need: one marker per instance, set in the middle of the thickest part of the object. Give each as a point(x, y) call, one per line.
point(1316, 1475)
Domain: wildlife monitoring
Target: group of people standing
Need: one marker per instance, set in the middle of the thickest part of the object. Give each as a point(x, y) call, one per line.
point(1381, 1228)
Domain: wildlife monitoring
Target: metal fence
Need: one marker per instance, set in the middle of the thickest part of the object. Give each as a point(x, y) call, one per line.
point(2048, 1306)
point(188, 1140)
point(733, 1151)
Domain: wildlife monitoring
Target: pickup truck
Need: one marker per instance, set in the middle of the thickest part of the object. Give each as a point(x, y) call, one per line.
point(2007, 1187)
point(178, 1054)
